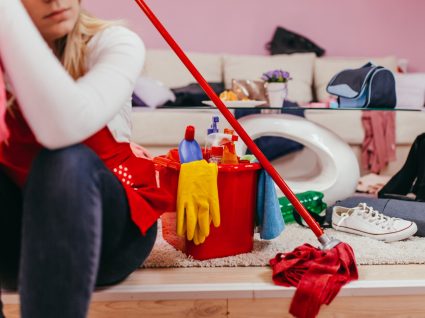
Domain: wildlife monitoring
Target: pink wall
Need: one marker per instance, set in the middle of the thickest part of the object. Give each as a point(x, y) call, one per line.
point(342, 27)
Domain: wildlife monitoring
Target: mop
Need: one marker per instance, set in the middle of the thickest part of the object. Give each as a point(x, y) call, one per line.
point(317, 273)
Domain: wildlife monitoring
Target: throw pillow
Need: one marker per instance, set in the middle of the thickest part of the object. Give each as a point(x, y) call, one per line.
point(152, 92)
point(410, 89)
point(165, 66)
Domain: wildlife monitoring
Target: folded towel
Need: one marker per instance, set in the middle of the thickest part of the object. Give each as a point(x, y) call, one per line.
point(268, 216)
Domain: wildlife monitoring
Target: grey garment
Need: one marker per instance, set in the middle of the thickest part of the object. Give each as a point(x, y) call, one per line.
point(408, 210)
point(68, 231)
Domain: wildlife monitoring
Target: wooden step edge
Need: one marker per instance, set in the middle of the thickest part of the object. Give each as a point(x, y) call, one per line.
point(240, 291)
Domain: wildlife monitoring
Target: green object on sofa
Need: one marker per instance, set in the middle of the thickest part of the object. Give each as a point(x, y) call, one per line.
point(312, 201)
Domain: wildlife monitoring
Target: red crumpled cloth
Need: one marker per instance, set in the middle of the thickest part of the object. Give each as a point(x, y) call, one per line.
point(318, 275)
point(3, 128)
point(378, 147)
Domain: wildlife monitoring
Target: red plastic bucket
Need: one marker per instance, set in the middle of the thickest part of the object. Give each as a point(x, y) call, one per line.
point(237, 192)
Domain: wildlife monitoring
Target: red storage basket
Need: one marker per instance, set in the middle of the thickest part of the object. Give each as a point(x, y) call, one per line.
point(237, 192)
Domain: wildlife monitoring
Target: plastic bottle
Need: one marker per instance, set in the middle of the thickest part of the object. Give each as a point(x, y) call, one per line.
point(214, 137)
point(216, 154)
point(229, 131)
point(217, 139)
point(189, 149)
point(312, 201)
point(229, 153)
point(213, 128)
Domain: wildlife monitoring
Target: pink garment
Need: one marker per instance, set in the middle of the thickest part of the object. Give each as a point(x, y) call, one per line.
point(3, 129)
point(378, 147)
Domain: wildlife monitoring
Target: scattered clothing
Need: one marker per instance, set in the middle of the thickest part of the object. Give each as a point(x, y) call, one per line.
point(193, 94)
point(364, 220)
point(151, 92)
point(285, 41)
point(411, 177)
point(136, 101)
point(378, 147)
point(371, 183)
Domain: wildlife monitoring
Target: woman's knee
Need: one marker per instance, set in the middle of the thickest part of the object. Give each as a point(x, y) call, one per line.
point(63, 164)
point(72, 157)
point(66, 179)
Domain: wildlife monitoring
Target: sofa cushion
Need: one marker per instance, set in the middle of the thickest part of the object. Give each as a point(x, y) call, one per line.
point(347, 124)
point(300, 66)
point(410, 89)
point(325, 68)
point(165, 66)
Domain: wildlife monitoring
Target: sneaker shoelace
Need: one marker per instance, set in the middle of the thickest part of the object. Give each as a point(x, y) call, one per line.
point(373, 216)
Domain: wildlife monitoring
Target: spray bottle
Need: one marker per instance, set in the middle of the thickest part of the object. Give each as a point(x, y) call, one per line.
point(229, 151)
point(214, 137)
point(189, 149)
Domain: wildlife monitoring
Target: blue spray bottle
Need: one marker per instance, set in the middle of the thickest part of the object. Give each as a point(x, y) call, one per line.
point(189, 149)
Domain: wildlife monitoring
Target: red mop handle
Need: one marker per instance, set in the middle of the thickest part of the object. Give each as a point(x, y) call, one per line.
point(314, 226)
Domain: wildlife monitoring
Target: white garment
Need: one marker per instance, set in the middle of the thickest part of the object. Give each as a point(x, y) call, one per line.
point(101, 97)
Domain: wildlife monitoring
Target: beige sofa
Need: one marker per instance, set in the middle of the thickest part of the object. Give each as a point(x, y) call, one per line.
point(161, 129)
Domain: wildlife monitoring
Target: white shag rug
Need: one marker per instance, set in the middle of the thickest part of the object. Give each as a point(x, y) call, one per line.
point(367, 251)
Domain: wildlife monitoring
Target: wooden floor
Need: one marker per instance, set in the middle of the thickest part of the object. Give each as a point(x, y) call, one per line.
point(382, 291)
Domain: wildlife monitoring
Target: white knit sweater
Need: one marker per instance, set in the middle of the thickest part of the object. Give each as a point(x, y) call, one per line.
point(59, 110)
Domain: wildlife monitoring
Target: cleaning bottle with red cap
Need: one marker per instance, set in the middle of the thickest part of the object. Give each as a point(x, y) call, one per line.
point(189, 149)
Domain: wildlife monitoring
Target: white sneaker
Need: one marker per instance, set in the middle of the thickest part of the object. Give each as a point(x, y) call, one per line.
point(364, 220)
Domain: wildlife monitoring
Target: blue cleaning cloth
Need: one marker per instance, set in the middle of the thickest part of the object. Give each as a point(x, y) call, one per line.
point(268, 215)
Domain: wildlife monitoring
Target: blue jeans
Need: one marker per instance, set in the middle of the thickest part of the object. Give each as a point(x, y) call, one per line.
point(68, 231)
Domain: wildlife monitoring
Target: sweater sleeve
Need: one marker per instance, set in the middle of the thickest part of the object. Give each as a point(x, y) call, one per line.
point(59, 110)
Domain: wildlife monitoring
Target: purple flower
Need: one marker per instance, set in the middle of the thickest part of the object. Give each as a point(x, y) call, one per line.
point(278, 76)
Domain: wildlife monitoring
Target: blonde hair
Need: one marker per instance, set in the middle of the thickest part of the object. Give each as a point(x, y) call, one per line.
point(72, 48)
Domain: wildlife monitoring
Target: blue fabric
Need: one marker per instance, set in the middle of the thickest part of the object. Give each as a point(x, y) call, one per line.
point(193, 94)
point(69, 230)
point(271, 146)
point(137, 101)
point(268, 215)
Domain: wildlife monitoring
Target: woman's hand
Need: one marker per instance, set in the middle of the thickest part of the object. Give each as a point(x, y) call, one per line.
point(139, 151)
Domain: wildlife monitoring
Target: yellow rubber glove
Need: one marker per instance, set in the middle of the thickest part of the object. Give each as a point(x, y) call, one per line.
point(197, 200)
point(197, 237)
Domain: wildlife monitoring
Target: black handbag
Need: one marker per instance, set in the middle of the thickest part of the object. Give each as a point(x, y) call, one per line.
point(287, 42)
